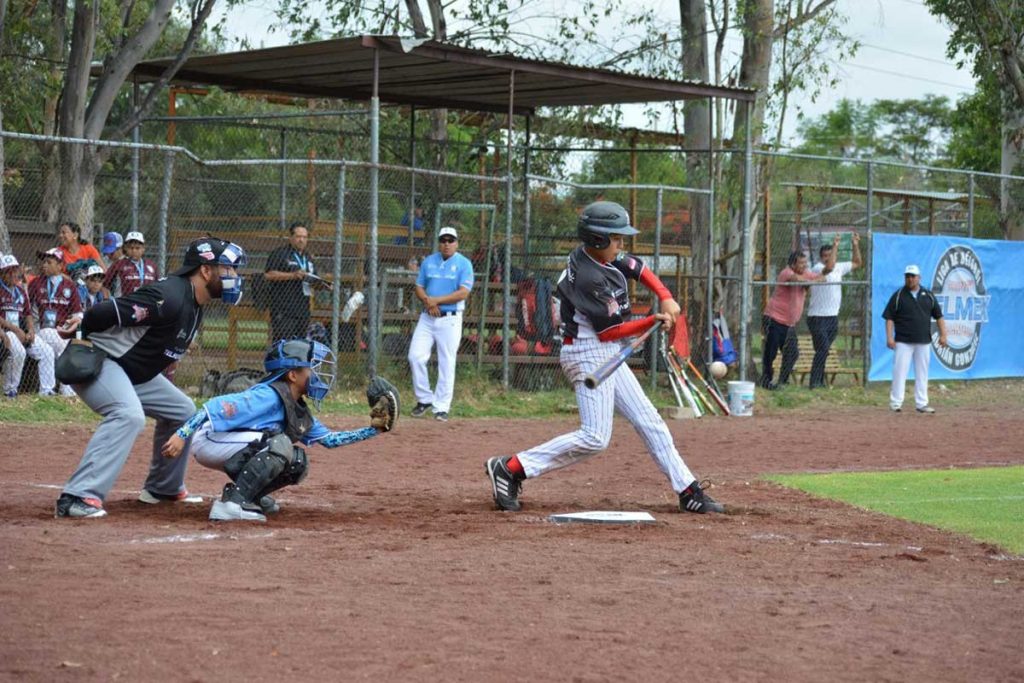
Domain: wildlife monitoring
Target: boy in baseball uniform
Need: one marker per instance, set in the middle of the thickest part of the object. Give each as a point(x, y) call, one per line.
point(595, 312)
point(20, 329)
point(251, 435)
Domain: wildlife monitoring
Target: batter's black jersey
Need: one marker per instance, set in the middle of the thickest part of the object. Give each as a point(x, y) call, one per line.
point(594, 296)
point(147, 330)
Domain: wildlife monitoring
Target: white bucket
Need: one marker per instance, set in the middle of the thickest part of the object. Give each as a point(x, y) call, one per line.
point(741, 398)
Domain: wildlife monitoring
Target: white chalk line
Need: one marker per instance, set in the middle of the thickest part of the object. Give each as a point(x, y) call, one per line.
point(193, 538)
point(834, 541)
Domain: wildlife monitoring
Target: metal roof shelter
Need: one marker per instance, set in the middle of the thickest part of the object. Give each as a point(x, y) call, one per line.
point(431, 74)
point(426, 73)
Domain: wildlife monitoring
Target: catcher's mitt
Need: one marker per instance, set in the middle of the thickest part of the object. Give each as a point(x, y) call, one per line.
point(383, 399)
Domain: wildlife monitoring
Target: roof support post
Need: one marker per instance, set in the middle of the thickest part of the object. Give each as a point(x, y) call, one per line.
point(372, 312)
point(506, 288)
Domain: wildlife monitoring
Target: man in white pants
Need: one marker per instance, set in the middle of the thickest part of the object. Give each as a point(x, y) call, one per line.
point(19, 328)
point(444, 281)
point(908, 331)
point(55, 303)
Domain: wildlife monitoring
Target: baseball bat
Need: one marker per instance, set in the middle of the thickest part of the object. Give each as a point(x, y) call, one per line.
point(706, 404)
point(675, 373)
point(612, 364)
point(714, 394)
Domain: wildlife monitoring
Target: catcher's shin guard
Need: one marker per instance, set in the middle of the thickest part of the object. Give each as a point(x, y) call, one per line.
point(255, 472)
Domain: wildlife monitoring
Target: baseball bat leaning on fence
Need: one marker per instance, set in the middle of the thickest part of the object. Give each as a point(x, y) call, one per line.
point(672, 380)
point(706, 405)
point(676, 374)
point(714, 394)
point(612, 364)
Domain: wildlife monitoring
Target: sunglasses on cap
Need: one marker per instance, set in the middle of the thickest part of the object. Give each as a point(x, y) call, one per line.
point(447, 240)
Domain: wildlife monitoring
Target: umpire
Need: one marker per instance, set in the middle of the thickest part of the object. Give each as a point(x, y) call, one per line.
point(141, 334)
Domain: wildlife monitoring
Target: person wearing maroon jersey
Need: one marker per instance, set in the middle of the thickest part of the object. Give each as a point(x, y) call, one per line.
point(19, 329)
point(134, 270)
point(55, 302)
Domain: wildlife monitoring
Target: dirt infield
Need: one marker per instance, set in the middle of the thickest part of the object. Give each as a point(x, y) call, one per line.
point(388, 563)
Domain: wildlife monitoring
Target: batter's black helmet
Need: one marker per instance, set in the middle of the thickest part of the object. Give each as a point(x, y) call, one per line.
point(601, 219)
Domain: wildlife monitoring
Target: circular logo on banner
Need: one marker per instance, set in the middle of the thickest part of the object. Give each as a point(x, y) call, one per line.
point(959, 287)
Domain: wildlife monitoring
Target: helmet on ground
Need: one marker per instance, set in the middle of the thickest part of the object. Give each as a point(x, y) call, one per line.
point(290, 354)
point(600, 220)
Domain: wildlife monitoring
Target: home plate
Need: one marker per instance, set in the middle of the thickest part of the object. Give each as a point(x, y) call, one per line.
point(603, 517)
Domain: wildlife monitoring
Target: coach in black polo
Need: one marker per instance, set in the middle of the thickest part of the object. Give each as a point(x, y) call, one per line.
point(288, 284)
point(908, 331)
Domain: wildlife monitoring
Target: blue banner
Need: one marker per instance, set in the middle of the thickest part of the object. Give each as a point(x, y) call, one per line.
point(979, 285)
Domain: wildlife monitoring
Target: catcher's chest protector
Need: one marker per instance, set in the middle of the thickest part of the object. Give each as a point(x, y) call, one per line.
point(298, 420)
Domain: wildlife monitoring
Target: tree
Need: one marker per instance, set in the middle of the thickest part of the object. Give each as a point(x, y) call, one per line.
point(5, 238)
point(73, 106)
point(990, 33)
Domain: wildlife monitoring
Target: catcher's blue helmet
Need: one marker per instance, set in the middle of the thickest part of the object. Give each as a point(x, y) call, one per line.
point(288, 354)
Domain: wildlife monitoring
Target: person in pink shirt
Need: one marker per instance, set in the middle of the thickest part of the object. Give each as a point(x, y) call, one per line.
point(782, 313)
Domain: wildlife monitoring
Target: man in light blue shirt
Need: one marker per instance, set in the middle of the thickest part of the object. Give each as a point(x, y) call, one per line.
point(444, 281)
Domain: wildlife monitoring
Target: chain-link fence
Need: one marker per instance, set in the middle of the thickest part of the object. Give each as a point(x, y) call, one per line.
point(516, 231)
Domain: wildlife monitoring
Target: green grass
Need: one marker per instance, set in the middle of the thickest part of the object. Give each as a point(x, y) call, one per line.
point(985, 503)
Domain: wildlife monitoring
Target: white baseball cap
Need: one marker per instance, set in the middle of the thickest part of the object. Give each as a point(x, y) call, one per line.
point(8, 261)
point(94, 270)
point(912, 270)
point(134, 237)
point(448, 230)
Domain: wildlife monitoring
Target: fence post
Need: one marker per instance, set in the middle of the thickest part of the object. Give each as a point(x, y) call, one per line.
point(656, 269)
point(970, 205)
point(165, 203)
point(339, 220)
point(136, 135)
point(412, 176)
point(373, 303)
point(746, 286)
point(865, 340)
point(283, 174)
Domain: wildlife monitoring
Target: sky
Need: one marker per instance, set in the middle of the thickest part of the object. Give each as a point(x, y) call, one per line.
point(902, 54)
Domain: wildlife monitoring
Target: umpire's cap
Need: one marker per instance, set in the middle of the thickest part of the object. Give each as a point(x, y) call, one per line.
point(209, 251)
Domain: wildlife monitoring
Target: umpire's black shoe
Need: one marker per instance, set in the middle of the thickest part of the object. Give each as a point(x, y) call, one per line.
point(504, 484)
point(693, 499)
point(420, 409)
point(79, 508)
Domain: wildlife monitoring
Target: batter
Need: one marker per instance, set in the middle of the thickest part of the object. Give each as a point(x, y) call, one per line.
point(595, 312)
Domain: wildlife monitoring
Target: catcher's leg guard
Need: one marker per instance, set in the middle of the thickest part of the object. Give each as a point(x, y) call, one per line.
point(294, 473)
point(260, 470)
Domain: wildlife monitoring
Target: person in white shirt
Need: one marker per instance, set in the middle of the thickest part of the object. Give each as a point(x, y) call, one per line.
point(823, 311)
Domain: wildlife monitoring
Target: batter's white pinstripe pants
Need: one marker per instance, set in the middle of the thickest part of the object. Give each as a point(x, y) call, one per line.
point(597, 407)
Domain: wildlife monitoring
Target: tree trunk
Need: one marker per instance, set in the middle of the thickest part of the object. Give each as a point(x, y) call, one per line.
point(1011, 195)
point(757, 19)
point(55, 54)
point(696, 120)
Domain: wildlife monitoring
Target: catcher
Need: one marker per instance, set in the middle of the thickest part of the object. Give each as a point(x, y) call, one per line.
point(251, 436)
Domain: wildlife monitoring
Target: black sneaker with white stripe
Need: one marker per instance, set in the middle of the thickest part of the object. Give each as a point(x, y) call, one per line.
point(504, 484)
point(693, 499)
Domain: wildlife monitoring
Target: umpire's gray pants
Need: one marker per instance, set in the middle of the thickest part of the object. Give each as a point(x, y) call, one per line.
point(124, 408)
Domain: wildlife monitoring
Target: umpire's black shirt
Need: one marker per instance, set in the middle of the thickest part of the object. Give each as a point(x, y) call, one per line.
point(147, 330)
point(912, 316)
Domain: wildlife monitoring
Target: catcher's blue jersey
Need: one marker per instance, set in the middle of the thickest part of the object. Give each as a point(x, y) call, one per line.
point(257, 409)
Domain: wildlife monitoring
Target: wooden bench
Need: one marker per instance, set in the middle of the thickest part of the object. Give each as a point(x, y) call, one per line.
point(802, 368)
